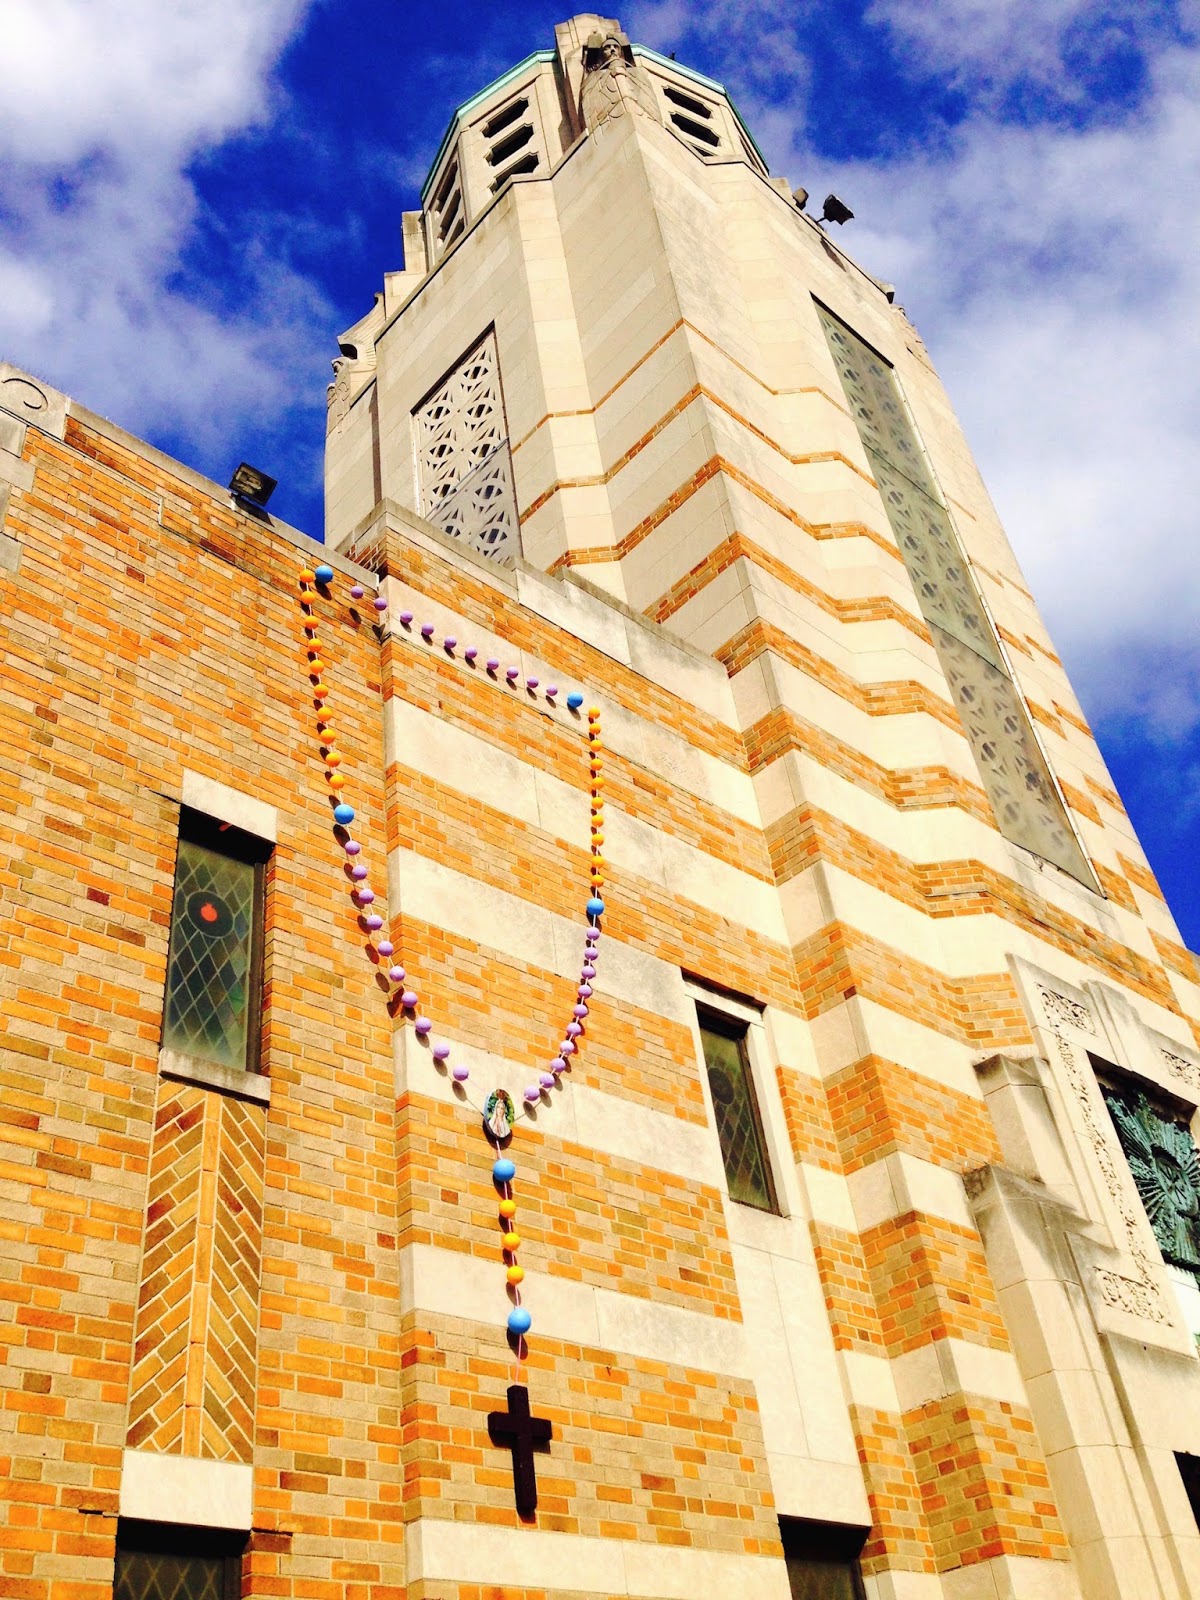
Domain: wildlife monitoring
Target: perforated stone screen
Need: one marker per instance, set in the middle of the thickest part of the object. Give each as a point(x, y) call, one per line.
point(464, 468)
point(1010, 760)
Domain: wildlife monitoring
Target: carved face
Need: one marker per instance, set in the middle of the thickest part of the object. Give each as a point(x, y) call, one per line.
point(610, 52)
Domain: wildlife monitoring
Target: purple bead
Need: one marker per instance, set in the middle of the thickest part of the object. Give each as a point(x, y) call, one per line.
point(588, 972)
point(551, 690)
point(547, 1080)
point(493, 665)
point(357, 592)
point(470, 653)
point(573, 1030)
point(405, 618)
point(352, 847)
point(397, 974)
point(441, 1052)
point(449, 642)
point(580, 1012)
point(408, 999)
point(567, 1047)
point(460, 1073)
point(366, 896)
point(422, 1026)
point(533, 1093)
point(374, 922)
point(359, 872)
point(379, 603)
point(531, 683)
point(512, 674)
point(559, 1066)
point(385, 947)
point(427, 630)
point(585, 990)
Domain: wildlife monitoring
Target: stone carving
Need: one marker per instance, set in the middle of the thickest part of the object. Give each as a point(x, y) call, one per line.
point(1179, 1067)
point(1010, 760)
point(338, 393)
point(613, 83)
point(1140, 1296)
point(23, 396)
point(463, 458)
point(1166, 1173)
point(1059, 1008)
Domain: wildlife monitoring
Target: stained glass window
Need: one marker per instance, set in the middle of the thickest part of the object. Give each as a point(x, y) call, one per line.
point(822, 1559)
point(211, 1008)
point(736, 1111)
point(159, 1562)
point(1010, 760)
point(1165, 1165)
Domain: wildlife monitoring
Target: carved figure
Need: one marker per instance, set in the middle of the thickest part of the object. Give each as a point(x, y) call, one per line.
point(613, 83)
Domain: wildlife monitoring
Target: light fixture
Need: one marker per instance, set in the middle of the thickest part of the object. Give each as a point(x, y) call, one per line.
point(836, 210)
point(800, 196)
point(251, 488)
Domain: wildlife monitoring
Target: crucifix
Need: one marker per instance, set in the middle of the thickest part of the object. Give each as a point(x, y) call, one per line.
point(520, 1431)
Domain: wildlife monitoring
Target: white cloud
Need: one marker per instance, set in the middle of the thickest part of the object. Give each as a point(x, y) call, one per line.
point(103, 103)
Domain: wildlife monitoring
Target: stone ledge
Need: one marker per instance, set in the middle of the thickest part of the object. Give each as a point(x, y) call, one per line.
point(208, 1075)
point(186, 1490)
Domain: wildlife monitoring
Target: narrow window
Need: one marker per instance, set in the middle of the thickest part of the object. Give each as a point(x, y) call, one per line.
point(822, 1559)
point(214, 967)
point(1189, 1471)
point(735, 1107)
point(158, 1561)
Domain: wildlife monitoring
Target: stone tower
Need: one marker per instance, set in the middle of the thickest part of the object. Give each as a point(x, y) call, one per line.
point(604, 1032)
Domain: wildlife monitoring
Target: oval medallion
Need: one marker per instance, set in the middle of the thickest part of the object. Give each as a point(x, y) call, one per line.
point(498, 1115)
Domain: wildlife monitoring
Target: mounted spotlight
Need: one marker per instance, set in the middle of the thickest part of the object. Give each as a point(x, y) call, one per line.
point(836, 210)
point(252, 488)
point(800, 196)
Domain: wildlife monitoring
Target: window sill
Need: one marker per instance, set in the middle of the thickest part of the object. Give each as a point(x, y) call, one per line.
point(208, 1075)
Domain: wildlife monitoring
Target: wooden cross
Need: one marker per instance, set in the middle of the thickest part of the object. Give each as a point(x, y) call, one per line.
point(520, 1431)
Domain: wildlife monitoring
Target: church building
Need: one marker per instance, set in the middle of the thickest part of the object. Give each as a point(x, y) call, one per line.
point(600, 1031)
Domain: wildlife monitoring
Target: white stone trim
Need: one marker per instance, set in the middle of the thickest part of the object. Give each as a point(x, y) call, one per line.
point(900, 1183)
point(230, 805)
point(209, 1075)
point(956, 1366)
point(451, 1283)
point(519, 1558)
point(185, 1489)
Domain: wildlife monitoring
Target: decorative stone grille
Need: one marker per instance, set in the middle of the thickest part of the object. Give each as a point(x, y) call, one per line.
point(1010, 760)
point(463, 461)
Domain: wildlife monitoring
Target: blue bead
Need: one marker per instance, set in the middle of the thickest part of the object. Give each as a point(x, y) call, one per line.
point(504, 1171)
point(519, 1320)
point(574, 700)
point(595, 907)
point(343, 814)
point(323, 574)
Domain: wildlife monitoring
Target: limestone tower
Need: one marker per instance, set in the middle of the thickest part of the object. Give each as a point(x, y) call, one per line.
point(619, 352)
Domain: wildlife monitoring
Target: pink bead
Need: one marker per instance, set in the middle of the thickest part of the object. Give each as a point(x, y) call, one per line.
point(567, 1047)
point(352, 847)
point(449, 642)
point(533, 1093)
point(531, 683)
point(366, 896)
point(551, 690)
point(470, 653)
point(573, 1030)
point(385, 947)
point(585, 990)
point(513, 674)
point(493, 665)
point(374, 922)
point(547, 1080)
point(559, 1066)
point(441, 1052)
point(357, 592)
point(589, 972)
point(359, 872)
point(397, 974)
point(408, 999)
point(380, 603)
point(460, 1074)
point(405, 618)
point(422, 1026)
point(427, 630)
point(580, 1012)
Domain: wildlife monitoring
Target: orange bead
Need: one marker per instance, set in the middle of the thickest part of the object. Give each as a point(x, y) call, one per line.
point(319, 691)
point(597, 783)
point(593, 713)
point(336, 780)
point(316, 666)
point(515, 1274)
point(508, 1208)
point(511, 1242)
point(333, 759)
point(307, 575)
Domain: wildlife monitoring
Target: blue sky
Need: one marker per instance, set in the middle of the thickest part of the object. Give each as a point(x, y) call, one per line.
point(195, 200)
